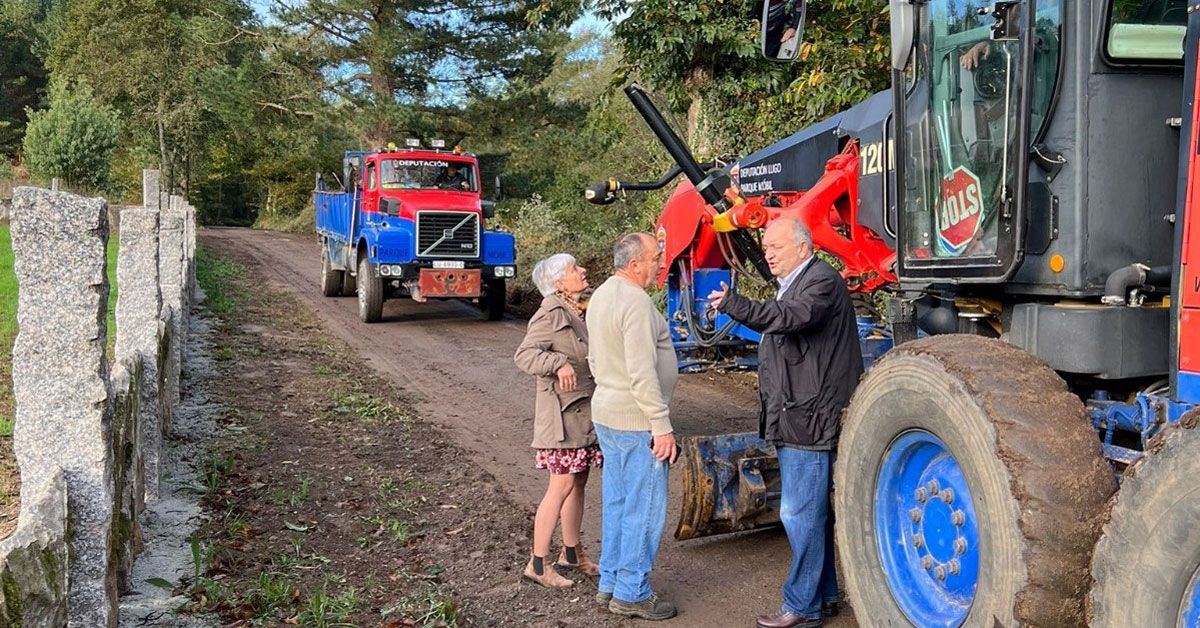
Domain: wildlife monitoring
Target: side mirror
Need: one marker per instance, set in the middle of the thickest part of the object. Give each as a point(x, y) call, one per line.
point(903, 26)
point(497, 190)
point(390, 206)
point(489, 208)
point(782, 29)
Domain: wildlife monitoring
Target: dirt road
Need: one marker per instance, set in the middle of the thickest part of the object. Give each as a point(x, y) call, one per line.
point(462, 369)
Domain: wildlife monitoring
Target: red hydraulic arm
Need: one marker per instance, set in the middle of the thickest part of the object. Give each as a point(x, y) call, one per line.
point(829, 209)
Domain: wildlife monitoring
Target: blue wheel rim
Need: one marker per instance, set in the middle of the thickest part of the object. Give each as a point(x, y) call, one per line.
point(925, 528)
point(1189, 610)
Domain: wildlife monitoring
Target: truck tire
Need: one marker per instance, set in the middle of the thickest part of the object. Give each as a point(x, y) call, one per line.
point(967, 489)
point(331, 280)
point(493, 299)
point(370, 293)
point(1145, 567)
point(349, 285)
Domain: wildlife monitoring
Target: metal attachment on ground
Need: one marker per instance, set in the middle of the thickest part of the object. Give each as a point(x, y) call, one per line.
point(940, 572)
point(954, 566)
point(958, 518)
point(922, 494)
point(918, 541)
point(926, 562)
point(915, 513)
point(960, 546)
point(948, 495)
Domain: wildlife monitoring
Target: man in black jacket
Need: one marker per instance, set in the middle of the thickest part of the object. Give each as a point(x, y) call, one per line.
point(809, 364)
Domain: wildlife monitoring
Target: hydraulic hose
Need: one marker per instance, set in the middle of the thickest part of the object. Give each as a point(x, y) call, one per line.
point(1122, 280)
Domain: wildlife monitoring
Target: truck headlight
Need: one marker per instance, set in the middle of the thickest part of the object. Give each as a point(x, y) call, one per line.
point(509, 271)
point(499, 270)
point(397, 270)
point(385, 270)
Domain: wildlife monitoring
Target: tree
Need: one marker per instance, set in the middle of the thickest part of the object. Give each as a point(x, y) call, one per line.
point(704, 55)
point(21, 71)
point(409, 64)
point(74, 139)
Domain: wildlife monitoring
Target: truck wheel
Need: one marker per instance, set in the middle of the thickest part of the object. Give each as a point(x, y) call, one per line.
point(349, 285)
point(967, 489)
point(493, 299)
point(370, 293)
point(331, 280)
point(1145, 566)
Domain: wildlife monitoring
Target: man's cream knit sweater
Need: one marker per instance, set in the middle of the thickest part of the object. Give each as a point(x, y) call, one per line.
point(632, 360)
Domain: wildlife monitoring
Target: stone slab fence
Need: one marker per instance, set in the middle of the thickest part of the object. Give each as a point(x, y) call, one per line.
point(88, 434)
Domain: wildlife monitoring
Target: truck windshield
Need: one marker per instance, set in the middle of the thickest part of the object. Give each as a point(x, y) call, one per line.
point(427, 174)
point(1146, 30)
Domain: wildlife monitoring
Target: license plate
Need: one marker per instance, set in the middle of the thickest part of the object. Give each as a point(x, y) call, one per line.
point(448, 264)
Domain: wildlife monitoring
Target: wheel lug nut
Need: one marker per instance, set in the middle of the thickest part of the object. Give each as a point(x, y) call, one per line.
point(960, 546)
point(954, 566)
point(948, 495)
point(940, 572)
point(918, 541)
point(926, 562)
point(933, 486)
point(922, 495)
point(958, 518)
point(915, 514)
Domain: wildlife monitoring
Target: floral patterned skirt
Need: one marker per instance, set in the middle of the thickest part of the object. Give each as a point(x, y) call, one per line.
point(569, 461)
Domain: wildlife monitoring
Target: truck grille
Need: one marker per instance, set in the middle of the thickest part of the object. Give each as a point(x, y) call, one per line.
point(447, 234)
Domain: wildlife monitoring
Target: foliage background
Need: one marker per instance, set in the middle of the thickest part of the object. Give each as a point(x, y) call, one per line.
point(241, 102)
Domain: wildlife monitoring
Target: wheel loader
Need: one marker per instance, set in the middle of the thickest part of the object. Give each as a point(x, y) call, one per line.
point(1024, 203)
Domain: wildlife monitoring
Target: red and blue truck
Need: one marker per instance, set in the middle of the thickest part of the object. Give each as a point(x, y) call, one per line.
point(410, 223)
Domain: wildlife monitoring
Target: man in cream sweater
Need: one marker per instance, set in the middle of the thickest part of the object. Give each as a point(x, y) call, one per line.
point(634, 366)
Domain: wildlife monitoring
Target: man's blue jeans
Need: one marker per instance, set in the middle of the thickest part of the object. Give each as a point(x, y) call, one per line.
point(635, 508)
point(804, 510)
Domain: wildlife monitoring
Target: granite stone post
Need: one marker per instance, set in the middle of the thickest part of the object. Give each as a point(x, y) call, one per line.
point(170, 272)
point(125, 409)
point(60, 383)
point(138, 304)
point(151, 189)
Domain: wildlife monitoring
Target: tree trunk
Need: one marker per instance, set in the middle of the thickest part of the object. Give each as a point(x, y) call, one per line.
point(697, 135)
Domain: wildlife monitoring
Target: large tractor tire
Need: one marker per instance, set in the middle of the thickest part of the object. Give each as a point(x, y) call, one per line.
point(370, 293)
point(967, 489)
point(331, 280)
point(493, 299)
point(1147, 564)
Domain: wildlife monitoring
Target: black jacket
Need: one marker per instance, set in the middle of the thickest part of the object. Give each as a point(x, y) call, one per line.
point(809, 357)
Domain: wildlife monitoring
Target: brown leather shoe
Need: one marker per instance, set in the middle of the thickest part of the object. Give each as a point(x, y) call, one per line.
point(585, 564)
point(549, 578)
point(784, 619)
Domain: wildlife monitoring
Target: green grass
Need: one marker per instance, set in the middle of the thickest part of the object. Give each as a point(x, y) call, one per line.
point(8, 319)
point(216, 277)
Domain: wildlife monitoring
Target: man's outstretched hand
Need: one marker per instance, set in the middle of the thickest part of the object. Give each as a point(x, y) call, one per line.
point(717, 297)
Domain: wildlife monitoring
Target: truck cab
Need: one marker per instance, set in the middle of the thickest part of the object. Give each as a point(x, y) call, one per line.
point(411, 223)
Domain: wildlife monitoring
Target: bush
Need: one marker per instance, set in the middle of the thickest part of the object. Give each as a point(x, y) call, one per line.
point(74, 139)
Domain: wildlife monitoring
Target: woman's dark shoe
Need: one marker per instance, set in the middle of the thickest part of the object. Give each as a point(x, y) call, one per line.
point(585, 564)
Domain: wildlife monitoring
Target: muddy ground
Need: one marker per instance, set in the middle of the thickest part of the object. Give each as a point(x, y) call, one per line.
point(375, 474)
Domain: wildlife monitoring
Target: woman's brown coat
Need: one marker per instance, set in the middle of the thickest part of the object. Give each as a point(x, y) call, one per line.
point(556, 336)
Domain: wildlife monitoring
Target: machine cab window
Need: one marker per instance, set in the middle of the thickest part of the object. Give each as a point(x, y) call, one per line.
point(1146, 31)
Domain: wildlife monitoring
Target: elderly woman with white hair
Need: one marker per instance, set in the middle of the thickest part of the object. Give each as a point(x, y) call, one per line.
point(555, 352)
